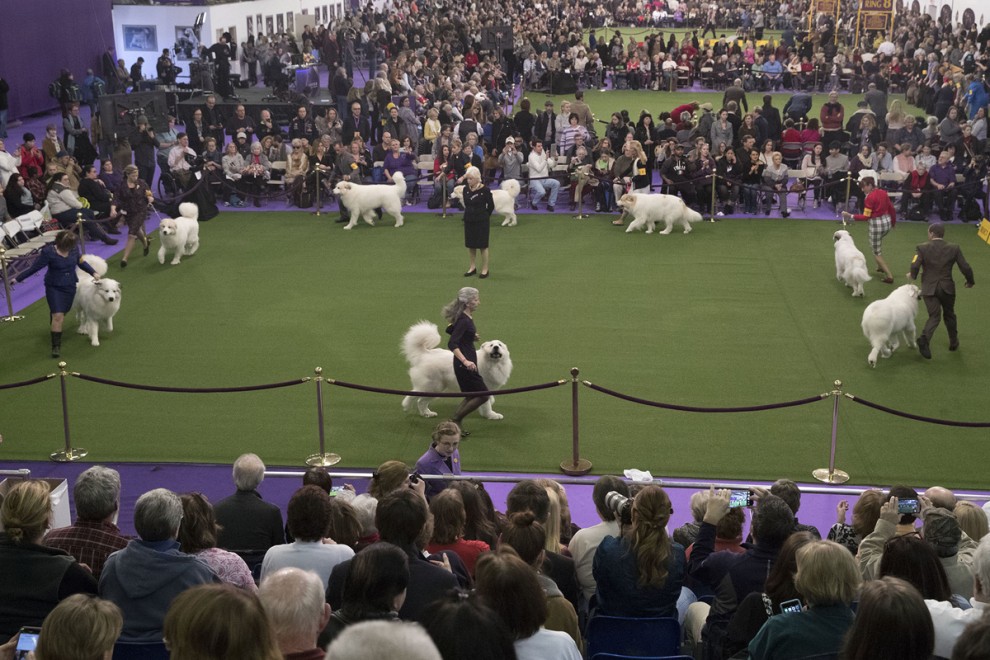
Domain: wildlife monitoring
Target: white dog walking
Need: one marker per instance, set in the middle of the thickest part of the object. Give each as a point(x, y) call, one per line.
point(180, 234)
point(647, 210)
point(504, 198)
point(95, 302)
point(850, 264)
point(888, 321)
point(431, 369)
point(363, 200)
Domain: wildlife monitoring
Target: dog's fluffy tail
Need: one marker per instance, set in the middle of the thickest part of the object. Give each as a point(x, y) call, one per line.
point(420, 339)
point(510, 186)
point(189, 210)
point(97, 263)
point(400, 182)
point(692, 215)
point(859, 273)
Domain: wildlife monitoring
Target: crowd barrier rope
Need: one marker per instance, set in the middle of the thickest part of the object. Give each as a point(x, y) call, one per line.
point(573, 466)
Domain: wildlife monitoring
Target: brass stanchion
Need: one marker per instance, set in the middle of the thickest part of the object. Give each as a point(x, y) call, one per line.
point(317, 212)
point(68, 454)
point(830, 475)
point(82, 232)
point(322, 459)
point(11, 317)
point(577, 466)
point(443, 187)
point(712, 218)
point(849, 179)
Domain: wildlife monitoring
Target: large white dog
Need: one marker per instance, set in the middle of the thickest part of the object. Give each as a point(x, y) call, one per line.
point(180, 234)
point(363, 200)
point(850, 264)
point(888, 321)
point(431, 369)
point(504, 198)
point(647, 210)
point(95, 302)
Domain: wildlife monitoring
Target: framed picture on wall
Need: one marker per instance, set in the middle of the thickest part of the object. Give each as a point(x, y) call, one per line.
point(141, 38)
point(269, 25)
point(258, 24)
point(290, 23)
point(186, 44)
point(250, 26)
point(279, 23)
point(326, 14)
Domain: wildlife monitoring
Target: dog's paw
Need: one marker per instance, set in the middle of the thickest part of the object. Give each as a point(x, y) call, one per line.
point(872, 363)
point(687, 231)
point(506, 223)
point(649, 231)
point(348, 226)
point(494, 416)
point(429, 413)
point(399, 223)
point(665, 232)
point(175, 262)
point(95, 342)
point(630, 229)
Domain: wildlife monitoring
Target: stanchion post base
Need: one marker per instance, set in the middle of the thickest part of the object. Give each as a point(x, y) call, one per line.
point(833, 477)
point(68, 456)
point(11, 319)
point(581, 216)
point(572, 469)
point(322, 460)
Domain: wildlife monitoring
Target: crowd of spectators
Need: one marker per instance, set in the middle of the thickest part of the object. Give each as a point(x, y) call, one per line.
point(451, 577)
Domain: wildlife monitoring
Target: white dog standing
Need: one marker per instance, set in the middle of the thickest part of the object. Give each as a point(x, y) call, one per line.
point(431, 369)
point(95, 302)
point(504, 198)
point(180, 234)
point(647, 210)
point(850, 264)
point(888, 321)
point(363, 200)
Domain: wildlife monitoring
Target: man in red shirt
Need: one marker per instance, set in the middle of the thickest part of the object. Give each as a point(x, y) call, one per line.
point(879, 212)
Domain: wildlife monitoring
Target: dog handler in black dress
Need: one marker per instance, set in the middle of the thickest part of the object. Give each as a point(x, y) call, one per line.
point(459, 313)
point(478, 207)
point(61, 258)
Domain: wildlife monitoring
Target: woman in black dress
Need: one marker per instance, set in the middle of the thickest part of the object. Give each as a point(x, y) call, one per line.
point(133, 200)
point(459, 313)
point(478, 207)
point(61, 259)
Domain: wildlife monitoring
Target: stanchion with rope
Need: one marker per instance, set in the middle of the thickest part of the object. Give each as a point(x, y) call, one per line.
point(443, 191)
point(712, 217)
point(830, 475)
point(318, 211)
point(321, 459)
point(849, 178)
point(577, 466)
point(11, 317)
point(82, 233)
point(68, 454)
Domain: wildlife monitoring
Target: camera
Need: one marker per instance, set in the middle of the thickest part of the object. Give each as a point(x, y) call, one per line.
point(620, 505)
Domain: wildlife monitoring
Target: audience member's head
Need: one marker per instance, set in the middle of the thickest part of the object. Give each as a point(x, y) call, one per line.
point(903, 493)
point(527, 495)
point(249, 472)
point(788, 491)
point(892, 621)
point(389, 476)
point(730, 527)
point(96, 494)
point(376, 581)
point(26, 511)
point(364, 506)
point(972, 520)
point(941, 497)
point(308, 514)
point(157, 515)
point(199, 529)
point(981, 570)
point(699, 504)
point(345, 527)
point(219, 621)
point(773, 522)
point(647, 535)
point(479, 522)
point(866, 512)
point(526, 536)
point(296, 606)
point(449, 516)
point(318, 476)
point(400, 517)
point(780, 580)
point(974, 642)
point(942, 531)
point(81, 627)
point(463, 627)
point(510, 587)
point(826, 574)
point(910, 558)
point(374, 640)
point(606, 484)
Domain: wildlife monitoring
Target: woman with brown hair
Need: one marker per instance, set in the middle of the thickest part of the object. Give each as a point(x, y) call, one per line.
point(892, 621)
point(81, 627)
point(866, 513)
point(134, 198)
point(640, 573)
point(481, 522)
point(198, 536)
point(448, 530)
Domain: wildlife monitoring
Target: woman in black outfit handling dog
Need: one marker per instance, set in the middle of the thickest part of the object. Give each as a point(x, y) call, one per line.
point(459, 313)
point(478, 207)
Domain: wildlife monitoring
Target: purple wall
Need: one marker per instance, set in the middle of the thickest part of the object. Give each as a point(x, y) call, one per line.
point(40, 37)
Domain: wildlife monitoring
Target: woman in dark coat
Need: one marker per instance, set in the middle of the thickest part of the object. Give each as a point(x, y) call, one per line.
point(133, 200)
point(459, 313)
point(478, 207)
point(61, 259)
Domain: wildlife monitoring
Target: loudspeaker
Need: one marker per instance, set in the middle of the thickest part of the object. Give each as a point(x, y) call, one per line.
point(562, 83)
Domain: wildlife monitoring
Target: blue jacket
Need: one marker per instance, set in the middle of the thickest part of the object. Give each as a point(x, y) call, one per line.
point(617, 575)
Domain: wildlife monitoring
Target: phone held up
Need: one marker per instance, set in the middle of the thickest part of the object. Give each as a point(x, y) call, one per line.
point(738, 498)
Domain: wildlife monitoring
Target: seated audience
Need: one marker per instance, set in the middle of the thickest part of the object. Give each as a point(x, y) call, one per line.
point(788, 491)
point(889, 524)
point(585, 542)
point(248, 524)
point(81, 627)
point(866, 512)
point(911, 558)
point(449, 516)
point(293, 599)
point(373, 640)
point(198, 537)
point(462, 626)
point(219, 621)
point(891, 622)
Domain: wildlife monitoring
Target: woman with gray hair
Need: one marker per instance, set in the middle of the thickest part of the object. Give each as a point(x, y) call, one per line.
point(459, 313)
point(478, 208)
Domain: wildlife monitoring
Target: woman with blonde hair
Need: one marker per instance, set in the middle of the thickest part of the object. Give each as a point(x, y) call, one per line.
point(972, 520)
point(567, 528)
point(81, 627)
point(219, 621)
point(390, 475)
point(640, 573)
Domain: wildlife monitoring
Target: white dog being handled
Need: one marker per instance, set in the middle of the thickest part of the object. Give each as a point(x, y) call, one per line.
point(888, 321)
point(850, 264)
point(96, 301)
point(647, 210)
point(431, 369)
point(363, 200)
point(504, 198)
point(180, 234)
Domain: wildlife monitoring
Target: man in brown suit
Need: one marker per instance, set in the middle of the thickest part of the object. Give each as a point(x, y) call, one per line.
point(581, 109)
point(935, 259)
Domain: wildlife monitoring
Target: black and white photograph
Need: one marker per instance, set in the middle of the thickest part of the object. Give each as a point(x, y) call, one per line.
point(250, 26)
point(269, 25)
point(141, 38)
point(258, 23)
point(186, 44)
point(279, 23)
point(290, 26)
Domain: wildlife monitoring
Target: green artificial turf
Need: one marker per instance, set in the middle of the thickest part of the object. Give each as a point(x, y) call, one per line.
point(741, 312)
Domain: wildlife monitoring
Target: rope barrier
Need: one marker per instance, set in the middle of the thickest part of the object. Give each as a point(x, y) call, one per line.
point(25, 383)
point(917, 418)
point(697, 409)
point(190, 390)
point(445, 395)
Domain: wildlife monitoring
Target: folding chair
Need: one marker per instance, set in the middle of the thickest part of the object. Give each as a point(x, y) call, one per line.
point(645, 637)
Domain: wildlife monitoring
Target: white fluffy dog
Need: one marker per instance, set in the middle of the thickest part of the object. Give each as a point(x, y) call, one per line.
point(888, 321)
point(647, 210)
point(95, 301)
point(431, 369)
point(180, 234)
point(363, 200)
point(850, 264)
point(504, 198)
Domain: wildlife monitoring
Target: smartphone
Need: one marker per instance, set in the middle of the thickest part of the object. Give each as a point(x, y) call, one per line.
point(793, 605)
point(908, 506)
point(27, 642)
point(738, 498)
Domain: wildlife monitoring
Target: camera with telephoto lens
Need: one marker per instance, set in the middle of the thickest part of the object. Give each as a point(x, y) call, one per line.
point(620, 505)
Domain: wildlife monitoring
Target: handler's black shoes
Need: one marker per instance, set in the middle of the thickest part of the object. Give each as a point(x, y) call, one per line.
point(923, 348)
point(953, 344)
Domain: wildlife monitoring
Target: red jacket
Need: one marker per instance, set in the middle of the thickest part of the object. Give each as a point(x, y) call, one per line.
point(876, 204)
point(832, 115)
point(676, 114)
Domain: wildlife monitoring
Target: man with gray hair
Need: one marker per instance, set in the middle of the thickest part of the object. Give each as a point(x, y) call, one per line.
point(144, 578)
point(294, 601)
point(373, 640)
point(249, 525)
point(95, 536)
point(948, 618)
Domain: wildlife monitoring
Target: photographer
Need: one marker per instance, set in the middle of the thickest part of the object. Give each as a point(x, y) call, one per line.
point(144, 149)
point(640, 573)
point(166, 69)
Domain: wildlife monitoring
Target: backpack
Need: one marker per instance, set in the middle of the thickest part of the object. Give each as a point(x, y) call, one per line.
point(98, 87)
point(55, 89)
point(970, 210)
